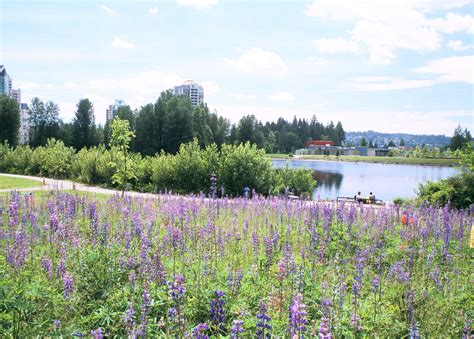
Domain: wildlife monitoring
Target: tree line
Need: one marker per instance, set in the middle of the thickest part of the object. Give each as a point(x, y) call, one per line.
point(164, 126)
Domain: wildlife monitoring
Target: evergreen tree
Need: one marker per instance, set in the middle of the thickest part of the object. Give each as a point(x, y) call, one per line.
point(460, 139)
point(84, 125)
point(9, 120)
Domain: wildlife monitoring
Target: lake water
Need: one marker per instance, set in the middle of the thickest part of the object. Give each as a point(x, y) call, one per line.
point(386, 181)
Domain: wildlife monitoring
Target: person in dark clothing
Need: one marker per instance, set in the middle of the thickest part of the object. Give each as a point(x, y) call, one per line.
point(357, 197)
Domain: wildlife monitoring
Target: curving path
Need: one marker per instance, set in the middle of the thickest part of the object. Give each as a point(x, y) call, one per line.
point(52, 184)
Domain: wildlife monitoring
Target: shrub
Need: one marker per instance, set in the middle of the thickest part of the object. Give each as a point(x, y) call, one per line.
point(245, 165)
point(300, 180)
point(457, 190)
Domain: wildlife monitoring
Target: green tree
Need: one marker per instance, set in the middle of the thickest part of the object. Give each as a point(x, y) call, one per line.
point(44, 122)
point(245, 165)
point(126, 113)
point(363, 142)
point(36, 118)
point(460, 138)
point(9, 120)
point(84, 125)
point(467, 157)
point(179, 126)
point(54, 159)
point(121, 138)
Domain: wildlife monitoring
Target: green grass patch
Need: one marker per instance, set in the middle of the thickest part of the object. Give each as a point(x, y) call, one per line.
point(278, 155)
point(7, 182)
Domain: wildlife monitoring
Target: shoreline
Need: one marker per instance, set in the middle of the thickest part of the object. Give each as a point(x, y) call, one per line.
point(371, 161)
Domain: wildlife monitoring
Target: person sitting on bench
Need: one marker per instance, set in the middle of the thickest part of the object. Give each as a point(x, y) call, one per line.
point(357, 197)
point(372, 197)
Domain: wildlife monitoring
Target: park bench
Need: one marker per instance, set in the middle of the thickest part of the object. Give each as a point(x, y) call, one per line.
point(365, 201)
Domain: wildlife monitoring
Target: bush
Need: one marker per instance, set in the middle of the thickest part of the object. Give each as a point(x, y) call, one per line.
point(457, 190)
point(245, 165)
point(300, 180)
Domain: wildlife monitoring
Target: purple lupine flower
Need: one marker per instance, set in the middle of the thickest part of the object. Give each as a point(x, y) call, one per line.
point(263, 322)
point(97, 334)
point(435, 276)
point(326, 305)
point(132, 278)
point(297, 315)
point(217, 310)
point(237, 327)
point(199, 331)
point(376, 282)
point(414, 332)
point(57, 324)
point(127, 318)
point(146, 301)
point(324, 331)
point(18, 251)
point(355, 321)
point(94, 221)
point(47, 266)
point(213, 193)
point(68, 285)
point(234, 280)
point(342, 290)
point(176, 293)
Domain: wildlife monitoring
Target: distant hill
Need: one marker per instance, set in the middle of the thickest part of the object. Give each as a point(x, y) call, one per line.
point(410, 139)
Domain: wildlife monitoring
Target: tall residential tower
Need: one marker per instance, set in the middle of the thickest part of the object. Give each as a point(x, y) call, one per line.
point(193, 90)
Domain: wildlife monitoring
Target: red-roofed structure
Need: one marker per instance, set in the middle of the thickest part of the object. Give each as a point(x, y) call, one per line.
point(315, 143)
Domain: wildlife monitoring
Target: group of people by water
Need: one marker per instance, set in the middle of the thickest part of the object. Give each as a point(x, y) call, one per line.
point(358, 198)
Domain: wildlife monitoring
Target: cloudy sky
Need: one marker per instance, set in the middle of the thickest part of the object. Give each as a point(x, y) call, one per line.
point(392, 66)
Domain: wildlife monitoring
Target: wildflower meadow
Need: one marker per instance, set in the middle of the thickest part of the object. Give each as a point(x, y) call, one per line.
point(198, 267)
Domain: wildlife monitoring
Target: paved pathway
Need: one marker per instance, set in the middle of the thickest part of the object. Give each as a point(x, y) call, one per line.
point(51, 184)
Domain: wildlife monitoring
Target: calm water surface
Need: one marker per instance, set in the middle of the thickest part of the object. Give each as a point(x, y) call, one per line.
point(386, 181)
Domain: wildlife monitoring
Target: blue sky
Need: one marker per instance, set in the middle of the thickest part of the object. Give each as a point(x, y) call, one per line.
point(392, 66)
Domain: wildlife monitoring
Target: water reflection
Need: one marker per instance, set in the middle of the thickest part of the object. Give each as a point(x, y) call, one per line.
point(387, 181)
point(328, 180)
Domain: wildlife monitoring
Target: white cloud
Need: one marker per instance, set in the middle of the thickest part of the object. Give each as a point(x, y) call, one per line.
point(380, 28)
point(335, 45)
point(258, 61)
point(153, 10)
point(446, 70)
point(454, 23)
point(375, 84)
point(198, 4)
point(108, 10)
point(454, 69)
point(282, 97)
point(120, 43)
point(210, 87)
point(458, 45)
point(148, 82)
point(243, 96)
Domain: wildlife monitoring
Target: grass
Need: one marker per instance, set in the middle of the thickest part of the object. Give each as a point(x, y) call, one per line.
point(385, 160)
point(7, 182)
point(277, 156)
point(48, 194)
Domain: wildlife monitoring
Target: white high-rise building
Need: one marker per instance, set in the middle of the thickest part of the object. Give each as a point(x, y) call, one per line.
point(193, 90)
point(24, 131)
point(16, 94)
point(111, 112)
